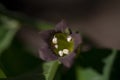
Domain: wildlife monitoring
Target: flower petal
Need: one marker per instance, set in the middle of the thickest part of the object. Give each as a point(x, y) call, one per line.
point(68, 60)
point(77, 39)
point(46, 54)
point(62, 26)
point(45, 35)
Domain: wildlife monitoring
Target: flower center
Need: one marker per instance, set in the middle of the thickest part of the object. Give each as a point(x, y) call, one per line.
point(62, 44)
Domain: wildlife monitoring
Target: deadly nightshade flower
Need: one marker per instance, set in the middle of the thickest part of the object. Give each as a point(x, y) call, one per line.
point(60, 44)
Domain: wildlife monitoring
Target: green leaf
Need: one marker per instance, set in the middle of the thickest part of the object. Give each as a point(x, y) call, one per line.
point(87, 74)
point(49, 69)
point(44, 25)
point(90, 74)
point(2, 74)
point(8, 28)
point(16, 60)
point(109, 63)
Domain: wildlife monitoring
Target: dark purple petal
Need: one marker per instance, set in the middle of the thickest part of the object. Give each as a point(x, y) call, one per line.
point(45, 35)
point(68, 60)
point(61, 26)
point(46, 53)
point(77, 39)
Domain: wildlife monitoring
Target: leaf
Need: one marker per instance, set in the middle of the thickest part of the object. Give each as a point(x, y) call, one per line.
point(2, 74)
point(109, 63)
point(8, 28)
point(44, 25)
point(91, 74)
point(87, 74)
point(49, 69)
point(19, 64)
point(17, 60)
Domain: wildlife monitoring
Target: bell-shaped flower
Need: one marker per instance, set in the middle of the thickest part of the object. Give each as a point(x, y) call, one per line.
point(59, 43)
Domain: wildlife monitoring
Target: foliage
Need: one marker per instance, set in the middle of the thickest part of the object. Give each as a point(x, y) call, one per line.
point(18, 62)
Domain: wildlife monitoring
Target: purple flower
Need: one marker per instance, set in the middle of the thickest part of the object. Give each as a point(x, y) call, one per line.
point(60, 44)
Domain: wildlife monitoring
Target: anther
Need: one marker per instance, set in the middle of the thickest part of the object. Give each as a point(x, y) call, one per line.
point(56, 46)
point(69, 38)
point(65, 51)
point(60, 53)
point(54, 40)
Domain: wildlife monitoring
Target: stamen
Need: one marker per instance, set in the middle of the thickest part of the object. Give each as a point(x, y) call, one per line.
point(62, 44)
point(60, 53)
point(69, 38)
point(54, 40)
point(65, 51)
point(56, 46)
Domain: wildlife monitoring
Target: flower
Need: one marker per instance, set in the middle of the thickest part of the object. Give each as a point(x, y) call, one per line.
point(60, 44)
